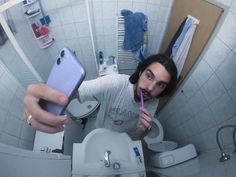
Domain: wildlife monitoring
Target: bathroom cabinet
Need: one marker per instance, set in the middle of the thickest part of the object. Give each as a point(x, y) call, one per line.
point(38, 23)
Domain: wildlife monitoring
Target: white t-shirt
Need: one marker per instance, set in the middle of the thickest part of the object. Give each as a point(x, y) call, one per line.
point(118, 109)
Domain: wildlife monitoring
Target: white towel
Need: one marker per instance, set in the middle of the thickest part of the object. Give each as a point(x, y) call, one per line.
point(183, 49)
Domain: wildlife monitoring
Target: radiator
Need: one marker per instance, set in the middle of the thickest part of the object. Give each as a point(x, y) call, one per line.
point(125, 59)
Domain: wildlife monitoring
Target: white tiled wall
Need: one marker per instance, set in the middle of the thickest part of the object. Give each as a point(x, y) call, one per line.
point(69, 26)
point(13, 128)
point(105, 12)
point(207, 100)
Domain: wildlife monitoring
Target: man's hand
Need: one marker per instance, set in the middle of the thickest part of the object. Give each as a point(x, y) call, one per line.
point(36, 116)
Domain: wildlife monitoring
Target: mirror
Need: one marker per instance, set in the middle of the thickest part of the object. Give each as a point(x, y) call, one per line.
point(70, 27)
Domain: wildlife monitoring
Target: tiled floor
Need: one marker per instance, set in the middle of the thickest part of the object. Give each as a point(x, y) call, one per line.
point(205, 165)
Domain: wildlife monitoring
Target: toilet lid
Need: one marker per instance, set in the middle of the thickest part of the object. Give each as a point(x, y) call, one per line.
point(156, 134)
point(80, 110)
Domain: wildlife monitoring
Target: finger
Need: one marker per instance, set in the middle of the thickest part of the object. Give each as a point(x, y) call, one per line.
point(46, 128)
point(145, 111)
point(42, 116)
point(47, 93)
point(145, 123)
point(31, 103)
point(42, 127)
point(145, 119)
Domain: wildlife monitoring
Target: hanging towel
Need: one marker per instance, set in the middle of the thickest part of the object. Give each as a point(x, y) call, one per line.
point(168, 51)
point(141, 53)
point(182, 52)
point(179, 40)
point(181, 47)
point(135, 26)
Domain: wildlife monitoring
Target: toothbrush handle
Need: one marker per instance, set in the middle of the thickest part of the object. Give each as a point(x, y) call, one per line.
point(142, 102)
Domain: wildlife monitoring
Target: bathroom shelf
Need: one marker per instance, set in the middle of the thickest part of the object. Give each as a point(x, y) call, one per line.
point(47, 43)
point(43, 36)
point(41, 32)
point(35, 14)
point(28, 2)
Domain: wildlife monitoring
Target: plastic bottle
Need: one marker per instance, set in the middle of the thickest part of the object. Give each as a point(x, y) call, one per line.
point(100, 56)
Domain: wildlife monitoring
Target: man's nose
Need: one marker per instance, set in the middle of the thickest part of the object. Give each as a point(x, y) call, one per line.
point(151, 86)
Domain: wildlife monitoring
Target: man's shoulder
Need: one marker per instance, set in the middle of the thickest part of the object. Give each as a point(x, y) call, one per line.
point(117, 76)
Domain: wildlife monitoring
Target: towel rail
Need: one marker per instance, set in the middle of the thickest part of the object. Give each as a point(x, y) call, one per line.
point(125, 59)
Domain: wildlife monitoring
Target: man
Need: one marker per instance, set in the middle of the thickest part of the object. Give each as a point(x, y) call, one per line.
point(119, 96)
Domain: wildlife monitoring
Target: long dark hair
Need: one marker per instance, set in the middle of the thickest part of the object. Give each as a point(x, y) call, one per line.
point(169, 65)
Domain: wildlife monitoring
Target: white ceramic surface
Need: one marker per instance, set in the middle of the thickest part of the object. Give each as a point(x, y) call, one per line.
point(88, 156)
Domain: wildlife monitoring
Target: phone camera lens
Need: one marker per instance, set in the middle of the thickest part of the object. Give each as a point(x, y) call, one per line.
point(58, 61)
point(62, 53)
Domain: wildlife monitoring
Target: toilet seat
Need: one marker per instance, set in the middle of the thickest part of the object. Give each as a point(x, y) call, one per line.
point(81, 110)
point(156, 134)
point(154, 139)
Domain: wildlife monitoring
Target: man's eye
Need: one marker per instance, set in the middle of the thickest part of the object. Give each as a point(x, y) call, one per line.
point(161, 85)
point(149, 76)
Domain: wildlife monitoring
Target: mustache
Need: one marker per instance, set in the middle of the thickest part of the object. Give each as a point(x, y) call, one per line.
point(145, 92)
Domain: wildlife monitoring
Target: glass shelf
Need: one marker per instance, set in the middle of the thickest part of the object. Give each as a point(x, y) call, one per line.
point(35, 14)
point(47, 44)
point(29, 3)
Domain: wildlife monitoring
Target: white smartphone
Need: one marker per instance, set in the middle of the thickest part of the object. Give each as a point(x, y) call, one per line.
point(66, 76)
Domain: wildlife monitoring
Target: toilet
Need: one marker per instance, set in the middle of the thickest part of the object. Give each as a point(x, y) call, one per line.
point(80, 110)
point(156, 134)
point(163, 154)
point(155, 143)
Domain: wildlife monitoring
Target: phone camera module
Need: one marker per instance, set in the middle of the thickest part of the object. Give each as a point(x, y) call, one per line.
point(58, 61)
point(62, 53)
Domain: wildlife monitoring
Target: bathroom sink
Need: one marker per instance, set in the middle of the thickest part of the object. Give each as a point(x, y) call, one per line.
point(105, 152)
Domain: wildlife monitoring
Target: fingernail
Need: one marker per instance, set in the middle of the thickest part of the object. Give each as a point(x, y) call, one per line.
point(62, 99)
point(65, 121)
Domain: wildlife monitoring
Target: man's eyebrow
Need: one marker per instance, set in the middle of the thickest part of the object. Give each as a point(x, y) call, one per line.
point(163, 82)
point(150, 71)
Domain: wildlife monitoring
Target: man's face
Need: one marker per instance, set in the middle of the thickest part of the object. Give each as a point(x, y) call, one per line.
point(152, 81)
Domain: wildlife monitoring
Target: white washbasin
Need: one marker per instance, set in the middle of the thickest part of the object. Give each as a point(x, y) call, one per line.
point(88, 156)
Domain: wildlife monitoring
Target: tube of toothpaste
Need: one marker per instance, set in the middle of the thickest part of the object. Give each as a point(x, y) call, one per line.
point(138, 156)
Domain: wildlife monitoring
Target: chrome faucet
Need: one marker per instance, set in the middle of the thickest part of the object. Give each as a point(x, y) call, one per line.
point(225, 156)
point(107, 158)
